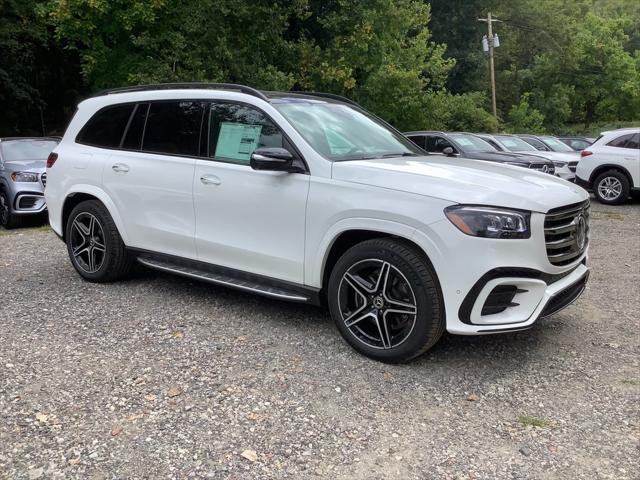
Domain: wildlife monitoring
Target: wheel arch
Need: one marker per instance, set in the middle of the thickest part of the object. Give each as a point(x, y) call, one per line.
point(79, 195)
point(346, 238)
point(610, 166)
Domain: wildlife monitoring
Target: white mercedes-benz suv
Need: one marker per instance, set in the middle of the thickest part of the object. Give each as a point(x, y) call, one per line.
point(309, 198)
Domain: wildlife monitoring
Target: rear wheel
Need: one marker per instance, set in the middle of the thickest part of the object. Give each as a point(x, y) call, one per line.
point(94, 244)
point(7, 218)
point(384, 298)
point(611, 187)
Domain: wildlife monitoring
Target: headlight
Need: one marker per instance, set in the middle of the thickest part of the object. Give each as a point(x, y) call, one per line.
point(490, 222)
point(560, 164)
point(24, 177)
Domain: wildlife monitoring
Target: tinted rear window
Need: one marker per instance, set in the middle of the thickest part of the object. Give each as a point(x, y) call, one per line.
point(106, 127)
point(621, 142)
point(173, 127)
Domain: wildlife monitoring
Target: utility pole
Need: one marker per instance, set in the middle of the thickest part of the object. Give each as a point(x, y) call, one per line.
point(490, 42)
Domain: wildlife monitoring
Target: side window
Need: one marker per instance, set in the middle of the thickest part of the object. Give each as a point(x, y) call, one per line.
point(431, 144)
point(621, 142)
point(106, 127)
point(633, 142)
point(173, 127)
point(236, 130)
point(537, 144)
point(133, 137)
point(419, 140)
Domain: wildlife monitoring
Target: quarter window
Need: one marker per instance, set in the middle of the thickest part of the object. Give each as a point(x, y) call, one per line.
point(173, 127)
point(106, 127)
point(625, 141)
point(236, 130)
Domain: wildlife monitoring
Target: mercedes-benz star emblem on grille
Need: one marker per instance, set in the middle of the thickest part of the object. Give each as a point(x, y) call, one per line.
point(581, 231)
point(545, 168)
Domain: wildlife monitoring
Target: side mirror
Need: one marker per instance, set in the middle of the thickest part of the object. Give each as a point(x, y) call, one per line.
point(448, 151)
point(272, 158)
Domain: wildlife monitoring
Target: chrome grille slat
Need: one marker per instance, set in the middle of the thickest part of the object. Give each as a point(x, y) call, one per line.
point(563, 230)
point(43, 179)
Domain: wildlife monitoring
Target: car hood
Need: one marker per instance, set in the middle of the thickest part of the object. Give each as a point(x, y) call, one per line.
point(504, 157)
point(460, 180)
point(557, 156)
point(37, 166)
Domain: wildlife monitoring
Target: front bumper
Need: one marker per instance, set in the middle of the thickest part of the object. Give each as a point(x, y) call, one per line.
point(29, 203)
point(565, 173)
point(537, 295)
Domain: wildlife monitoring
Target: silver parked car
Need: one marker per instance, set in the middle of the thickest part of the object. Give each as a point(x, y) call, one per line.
point(23, 164)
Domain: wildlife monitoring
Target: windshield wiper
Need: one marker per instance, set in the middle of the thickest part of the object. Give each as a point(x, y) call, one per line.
point(399, 154)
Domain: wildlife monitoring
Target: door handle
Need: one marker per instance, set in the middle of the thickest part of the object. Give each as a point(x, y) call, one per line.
point(120, 168)
point(210, 180)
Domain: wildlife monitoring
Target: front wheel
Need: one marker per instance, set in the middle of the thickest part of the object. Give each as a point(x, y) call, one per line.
point(611, 188)
point(7, 218)
point(383, 296)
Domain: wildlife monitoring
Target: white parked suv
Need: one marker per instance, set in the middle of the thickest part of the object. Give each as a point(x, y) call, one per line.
point(309, 198)
point(611, 166)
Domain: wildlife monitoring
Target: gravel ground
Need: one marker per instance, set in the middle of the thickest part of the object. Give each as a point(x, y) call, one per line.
point(162, 377)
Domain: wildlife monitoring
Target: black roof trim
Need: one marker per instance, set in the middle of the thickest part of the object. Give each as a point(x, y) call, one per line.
point(185, 86)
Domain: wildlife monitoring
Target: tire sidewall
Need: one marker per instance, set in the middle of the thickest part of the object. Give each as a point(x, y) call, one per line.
point(99, 213)
point(428, 320)
point(623, 194)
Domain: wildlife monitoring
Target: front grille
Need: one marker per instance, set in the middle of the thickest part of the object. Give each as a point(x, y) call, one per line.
point(43, 179)
point(573, 165)
point(543, 167)
point(566, 233)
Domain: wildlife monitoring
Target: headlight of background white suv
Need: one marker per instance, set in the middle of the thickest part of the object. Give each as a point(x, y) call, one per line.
point(559, 164)
point(490, 222)
point(24, 177)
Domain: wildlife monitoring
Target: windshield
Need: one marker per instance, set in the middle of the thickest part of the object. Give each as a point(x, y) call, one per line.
point(515, 144)
point(16, 150)
point(556, 145)
point(469, 143)
point(340, 132)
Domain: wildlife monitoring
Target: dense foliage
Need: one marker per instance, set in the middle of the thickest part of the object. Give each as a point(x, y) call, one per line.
point(417, 64)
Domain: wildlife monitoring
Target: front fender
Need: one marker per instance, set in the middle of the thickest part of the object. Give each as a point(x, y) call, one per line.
point(316, 262)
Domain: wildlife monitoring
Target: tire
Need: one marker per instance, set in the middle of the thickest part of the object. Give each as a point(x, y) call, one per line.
point(91, 233)
point(410, 280)
point(7, 219)
point(611, 187)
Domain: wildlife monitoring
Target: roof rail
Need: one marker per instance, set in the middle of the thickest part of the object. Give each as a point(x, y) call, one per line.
point(191, 85)
point(328, 95)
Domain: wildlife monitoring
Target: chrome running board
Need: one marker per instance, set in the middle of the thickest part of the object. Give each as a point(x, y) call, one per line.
point(221, 278)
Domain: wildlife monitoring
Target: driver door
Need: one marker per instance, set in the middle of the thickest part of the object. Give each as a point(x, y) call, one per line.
point(248, 220)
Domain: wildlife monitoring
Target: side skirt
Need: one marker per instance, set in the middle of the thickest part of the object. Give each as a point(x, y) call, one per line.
point(229, 277)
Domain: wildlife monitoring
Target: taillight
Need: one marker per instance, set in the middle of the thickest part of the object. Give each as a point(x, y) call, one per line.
point(585, 153)
point(51, 159)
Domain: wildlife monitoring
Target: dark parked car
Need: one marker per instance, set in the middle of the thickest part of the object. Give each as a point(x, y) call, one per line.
point(577, 143)
point(470, 146)
point(546, 143)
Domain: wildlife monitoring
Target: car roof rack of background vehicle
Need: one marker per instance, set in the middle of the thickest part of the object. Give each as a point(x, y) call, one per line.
point(184, 86)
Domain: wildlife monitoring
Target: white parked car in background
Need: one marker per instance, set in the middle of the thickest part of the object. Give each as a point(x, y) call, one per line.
point(565, 162)
point(611, 166)
point(309, 198)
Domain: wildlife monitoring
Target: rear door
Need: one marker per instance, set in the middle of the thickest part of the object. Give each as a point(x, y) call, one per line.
point(247, 219)
point(625, 151)
point(150, 178)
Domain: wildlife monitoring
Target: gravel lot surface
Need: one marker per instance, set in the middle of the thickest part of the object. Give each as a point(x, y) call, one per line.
point(162, 377)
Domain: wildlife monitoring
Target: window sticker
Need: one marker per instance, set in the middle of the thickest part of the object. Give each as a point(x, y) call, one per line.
point(237, 140)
